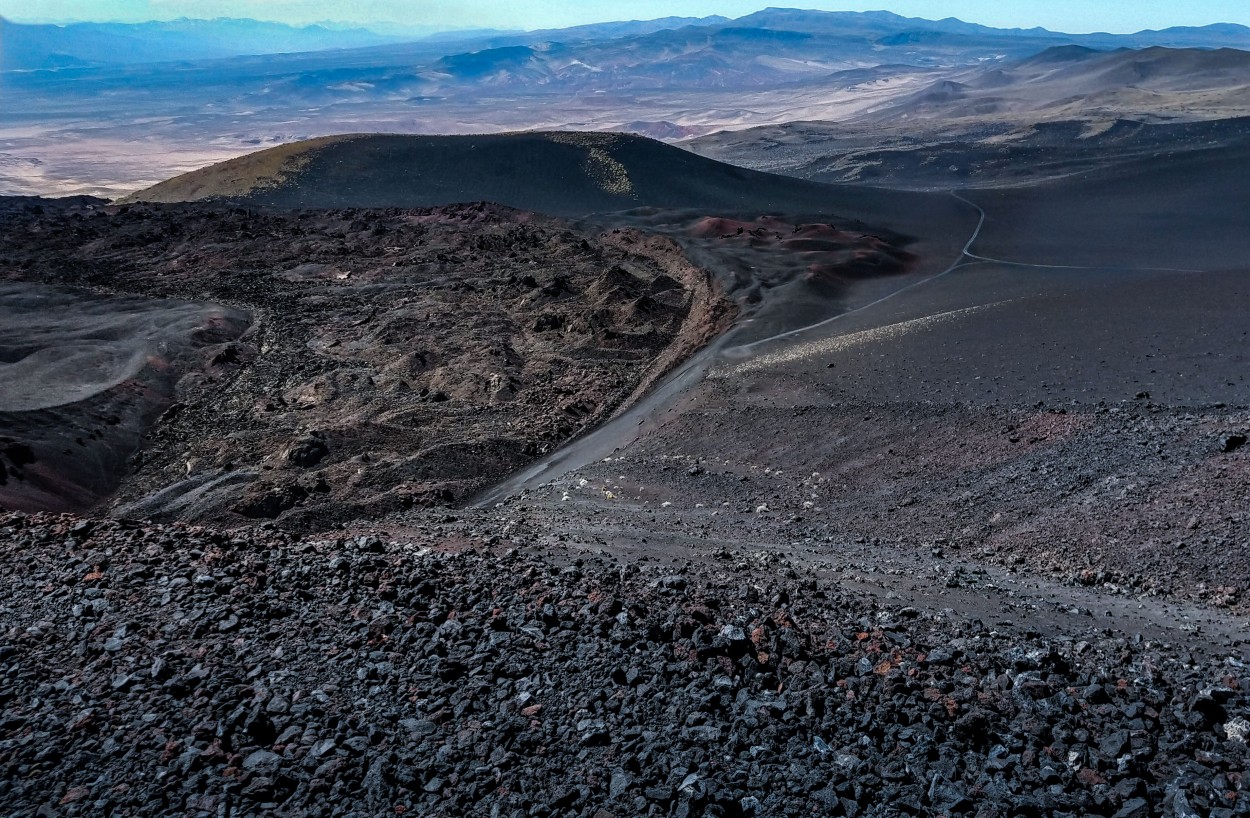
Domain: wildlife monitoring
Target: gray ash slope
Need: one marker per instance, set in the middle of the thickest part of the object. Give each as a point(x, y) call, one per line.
point(1071, 406)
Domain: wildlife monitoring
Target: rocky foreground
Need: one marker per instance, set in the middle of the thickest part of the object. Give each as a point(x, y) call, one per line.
point(174, 670)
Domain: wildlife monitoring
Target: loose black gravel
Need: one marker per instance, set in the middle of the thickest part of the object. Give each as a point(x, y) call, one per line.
point(180, 671)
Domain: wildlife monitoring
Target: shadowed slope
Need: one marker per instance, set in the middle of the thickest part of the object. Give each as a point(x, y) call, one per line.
point(566, 174)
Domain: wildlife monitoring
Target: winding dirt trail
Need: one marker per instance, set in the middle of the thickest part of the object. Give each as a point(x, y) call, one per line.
point(663, 400)
point(660, 404)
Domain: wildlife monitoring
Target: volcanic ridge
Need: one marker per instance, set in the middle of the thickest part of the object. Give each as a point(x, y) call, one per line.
point(556, 474)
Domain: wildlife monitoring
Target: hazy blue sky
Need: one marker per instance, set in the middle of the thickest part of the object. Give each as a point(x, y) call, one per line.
point(1066, 15)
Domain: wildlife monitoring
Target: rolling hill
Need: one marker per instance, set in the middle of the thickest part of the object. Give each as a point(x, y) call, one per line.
point(559, 173)
point(1074, 81)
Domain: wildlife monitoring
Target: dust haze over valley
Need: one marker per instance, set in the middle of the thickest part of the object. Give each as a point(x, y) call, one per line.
point(801, 413)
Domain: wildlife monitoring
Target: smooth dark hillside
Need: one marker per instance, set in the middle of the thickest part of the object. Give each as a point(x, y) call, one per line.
point(562, 174)
point(1180, 208)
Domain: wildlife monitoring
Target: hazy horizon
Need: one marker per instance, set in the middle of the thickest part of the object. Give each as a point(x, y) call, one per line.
point(1068, 16)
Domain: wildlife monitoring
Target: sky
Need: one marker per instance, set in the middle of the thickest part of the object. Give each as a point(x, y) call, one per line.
point(1072, 16)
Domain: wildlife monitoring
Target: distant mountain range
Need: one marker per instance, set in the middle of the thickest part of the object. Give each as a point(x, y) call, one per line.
point(78, 97)
point(29, 47)
point(761, 46)
point(1074, 81)
point(32, 47)
point(773, 48)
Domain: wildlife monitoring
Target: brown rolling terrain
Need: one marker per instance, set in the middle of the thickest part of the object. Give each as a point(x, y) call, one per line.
point(376, 360)
point(83, 376)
